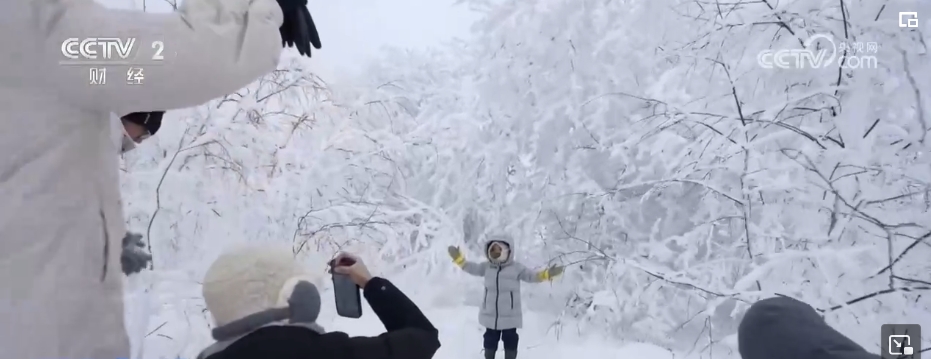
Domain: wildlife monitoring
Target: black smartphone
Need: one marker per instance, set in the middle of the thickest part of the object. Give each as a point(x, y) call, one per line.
point(348, 295)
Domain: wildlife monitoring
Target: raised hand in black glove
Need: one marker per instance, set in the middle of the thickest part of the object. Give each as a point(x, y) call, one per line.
point(134, 257)
point(298, 29)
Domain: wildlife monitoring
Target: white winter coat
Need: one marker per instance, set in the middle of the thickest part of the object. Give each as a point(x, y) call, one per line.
point(61, 219)
point(501, 302)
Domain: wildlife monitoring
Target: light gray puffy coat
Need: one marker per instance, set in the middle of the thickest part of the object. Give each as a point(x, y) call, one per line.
point(501, 304)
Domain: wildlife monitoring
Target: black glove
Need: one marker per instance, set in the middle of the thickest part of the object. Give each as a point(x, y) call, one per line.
point(134, 257)
point(298, 29)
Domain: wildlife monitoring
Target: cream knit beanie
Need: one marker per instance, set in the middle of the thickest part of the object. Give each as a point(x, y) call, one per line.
point(251, 279)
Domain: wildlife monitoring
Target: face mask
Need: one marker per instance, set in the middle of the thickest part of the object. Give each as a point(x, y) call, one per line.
point(122, 142)
point(127, 144)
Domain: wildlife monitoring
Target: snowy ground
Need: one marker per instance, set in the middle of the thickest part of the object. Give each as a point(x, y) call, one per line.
point(461, 337)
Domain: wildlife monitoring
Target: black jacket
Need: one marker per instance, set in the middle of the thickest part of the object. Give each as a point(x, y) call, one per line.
point(410, 335)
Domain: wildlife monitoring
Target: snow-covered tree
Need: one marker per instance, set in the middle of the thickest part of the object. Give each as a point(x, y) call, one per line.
point(645, 144)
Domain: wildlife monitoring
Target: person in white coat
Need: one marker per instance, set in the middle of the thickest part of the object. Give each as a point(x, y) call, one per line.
point(61, 218)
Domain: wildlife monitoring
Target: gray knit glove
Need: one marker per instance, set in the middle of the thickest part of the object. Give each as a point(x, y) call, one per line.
point(134, 257)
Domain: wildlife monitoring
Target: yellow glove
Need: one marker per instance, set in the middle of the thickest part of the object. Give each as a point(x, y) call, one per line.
point(550, 273)
point(456, 255)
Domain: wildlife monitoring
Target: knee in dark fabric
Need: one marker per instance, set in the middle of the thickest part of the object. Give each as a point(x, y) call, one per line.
point(758, 319)
point(783, 327)
point(781, 304)
point(510, 339)
point(491, 339)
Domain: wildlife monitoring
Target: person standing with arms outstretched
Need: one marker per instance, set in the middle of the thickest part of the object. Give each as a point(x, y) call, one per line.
point(501, 312)
point(61, 218)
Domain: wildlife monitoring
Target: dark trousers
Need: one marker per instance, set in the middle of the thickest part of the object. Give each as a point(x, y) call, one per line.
point(508, 336)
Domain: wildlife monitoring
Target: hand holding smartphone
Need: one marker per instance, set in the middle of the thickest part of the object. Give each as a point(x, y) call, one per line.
point(347, 293)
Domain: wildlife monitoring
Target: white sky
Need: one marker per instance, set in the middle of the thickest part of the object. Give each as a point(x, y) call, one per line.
point(353, 31)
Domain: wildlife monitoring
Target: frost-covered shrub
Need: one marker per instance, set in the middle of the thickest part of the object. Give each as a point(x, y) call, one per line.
point(643, 144)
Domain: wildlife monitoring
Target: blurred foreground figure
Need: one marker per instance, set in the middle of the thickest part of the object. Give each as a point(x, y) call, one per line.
point(265, 306)
point(501, 312)
point(785, 328)
point(61, 219)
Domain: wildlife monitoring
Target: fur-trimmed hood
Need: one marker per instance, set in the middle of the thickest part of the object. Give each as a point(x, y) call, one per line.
point(503, 239)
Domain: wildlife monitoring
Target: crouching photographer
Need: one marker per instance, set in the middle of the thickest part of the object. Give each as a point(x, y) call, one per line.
point(265, 305)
